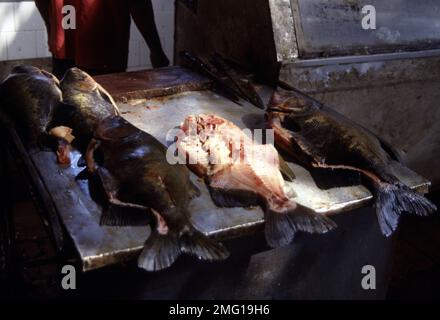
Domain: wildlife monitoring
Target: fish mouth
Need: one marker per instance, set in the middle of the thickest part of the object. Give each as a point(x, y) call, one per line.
point(276, 109)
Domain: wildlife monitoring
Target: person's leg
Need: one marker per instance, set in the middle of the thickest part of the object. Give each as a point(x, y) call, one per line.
point(143, 15)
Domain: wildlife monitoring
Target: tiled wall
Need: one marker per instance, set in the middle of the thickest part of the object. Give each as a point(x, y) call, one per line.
point(23, 33)
point(139, 55)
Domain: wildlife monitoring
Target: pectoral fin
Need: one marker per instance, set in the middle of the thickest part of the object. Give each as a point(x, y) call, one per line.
point(285, 170)
point(106, 96)
point(117, 212)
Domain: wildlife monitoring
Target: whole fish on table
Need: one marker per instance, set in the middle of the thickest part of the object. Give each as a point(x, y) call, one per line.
point(29, 96)
point(135, 174)
point(323, 138)
point(242, 173)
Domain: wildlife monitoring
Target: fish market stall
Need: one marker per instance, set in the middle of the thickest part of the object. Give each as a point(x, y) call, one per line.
point(314, 266)
point(384, 78)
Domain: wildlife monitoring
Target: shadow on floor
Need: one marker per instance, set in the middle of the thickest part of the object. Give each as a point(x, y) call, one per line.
point(416, 270)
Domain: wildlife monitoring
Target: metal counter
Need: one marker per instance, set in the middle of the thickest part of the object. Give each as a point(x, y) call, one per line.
point(99, 246)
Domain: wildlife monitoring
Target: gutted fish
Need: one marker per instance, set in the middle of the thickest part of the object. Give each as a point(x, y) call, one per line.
point(242, 173)
point(136, 176)
point(321, 137)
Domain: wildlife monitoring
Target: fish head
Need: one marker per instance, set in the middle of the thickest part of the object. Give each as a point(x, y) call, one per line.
point(33, 71)
point(81, 90)
point(25, 69)
point(292, 102)
point(76, 79)
point(30, 72)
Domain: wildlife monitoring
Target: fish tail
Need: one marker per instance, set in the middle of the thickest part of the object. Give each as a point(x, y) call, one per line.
point(199, 245)
point(394, 199)
point(161, 251)
point(281, 226)
point(119, 215)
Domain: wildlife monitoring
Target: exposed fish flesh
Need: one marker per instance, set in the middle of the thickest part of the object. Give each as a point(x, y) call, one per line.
point(242, 173)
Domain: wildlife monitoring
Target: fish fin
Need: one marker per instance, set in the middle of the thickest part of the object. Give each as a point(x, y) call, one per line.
point(106, 96)
point(281, 227)
point(293, 137)
point(118, 212)
point(194, 192)
point(285, 170)
point(123, 214)
point(394, 199)
point(230, 198)
point(199, 245)
point(394, 153)
point(160, 252)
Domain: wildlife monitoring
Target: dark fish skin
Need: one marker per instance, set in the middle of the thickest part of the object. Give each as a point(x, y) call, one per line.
point(30, 96)
point(85, 104)
point(134, 171)
point(321, 137)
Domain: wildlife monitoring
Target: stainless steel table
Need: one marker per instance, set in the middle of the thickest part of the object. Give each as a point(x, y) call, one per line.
point(313, 266)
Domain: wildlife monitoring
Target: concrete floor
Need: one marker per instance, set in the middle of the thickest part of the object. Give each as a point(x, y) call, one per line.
point(416, 272)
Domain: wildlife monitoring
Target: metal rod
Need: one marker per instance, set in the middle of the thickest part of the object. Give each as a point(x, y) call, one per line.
point(304, 63)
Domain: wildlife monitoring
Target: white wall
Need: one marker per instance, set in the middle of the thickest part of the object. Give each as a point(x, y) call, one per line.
point(139, 55)
point(23, 33)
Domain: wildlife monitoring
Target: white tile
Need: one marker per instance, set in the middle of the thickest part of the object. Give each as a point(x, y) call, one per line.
point(167, 5)
point(159, 5)
point(7, 17)
point(3, 47)
point(21, 45)
point(42, 45)
point(27, 17)
point(134, 32)
point(165, 24)
point(168, 47)
point(133, 54)
point(144, 54)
